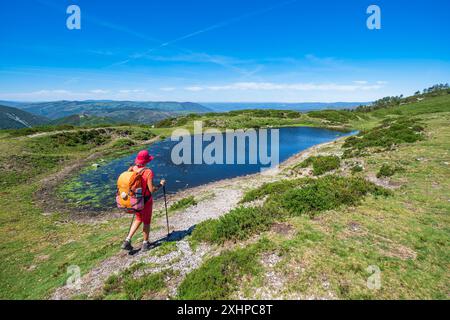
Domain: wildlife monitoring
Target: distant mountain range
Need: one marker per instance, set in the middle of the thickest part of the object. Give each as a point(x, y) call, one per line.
point(13, 118)
point(105, 111)
point(297, 106)
point(92, 112)
point(63, 108)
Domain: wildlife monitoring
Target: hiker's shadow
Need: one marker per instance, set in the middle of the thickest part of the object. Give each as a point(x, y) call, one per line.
point(173, 236)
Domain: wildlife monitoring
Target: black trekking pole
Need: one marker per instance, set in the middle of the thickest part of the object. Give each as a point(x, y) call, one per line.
point(167, 215)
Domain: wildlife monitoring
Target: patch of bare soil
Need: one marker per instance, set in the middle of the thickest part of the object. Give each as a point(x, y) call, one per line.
point(284, 229)
point(396, 250)
point(383, 182)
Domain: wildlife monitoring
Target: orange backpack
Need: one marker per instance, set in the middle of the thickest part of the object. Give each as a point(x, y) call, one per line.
point(130, 191)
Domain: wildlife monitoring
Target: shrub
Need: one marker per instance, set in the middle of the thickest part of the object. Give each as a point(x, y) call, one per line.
point(81, 139)
point(142, 134)
point(183, 203)
point(327, 193)
point(218, 277)
point(133, 288)
point(388, 134)
point(173, 122)
point(122, 143)
point(136, 288)
point(285, 198)
point(388, 171)
point(238, 224)
point(334, 116)
point(356, 168)
point(322, 164)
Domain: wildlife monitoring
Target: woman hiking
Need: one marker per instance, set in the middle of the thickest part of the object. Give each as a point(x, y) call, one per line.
point(145, 215)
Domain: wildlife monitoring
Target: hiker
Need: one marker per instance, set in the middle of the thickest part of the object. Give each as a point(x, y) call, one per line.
point(148, 188)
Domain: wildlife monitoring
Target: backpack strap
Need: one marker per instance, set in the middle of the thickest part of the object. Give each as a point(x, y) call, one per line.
point(139, 172)
point(146, 174)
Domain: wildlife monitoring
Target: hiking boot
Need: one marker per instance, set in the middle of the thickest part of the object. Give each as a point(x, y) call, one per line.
point(126, 245)
point(146, 246)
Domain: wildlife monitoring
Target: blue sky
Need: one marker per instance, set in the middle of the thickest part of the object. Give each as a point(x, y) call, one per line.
point(221, 50)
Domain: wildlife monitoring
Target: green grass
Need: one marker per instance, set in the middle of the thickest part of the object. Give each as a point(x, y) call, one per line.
point(18, 169)
point(37, 248)
point(405, 234)
point(321, 164)
point(165, 248)
point(126, 285)
point(183, 203)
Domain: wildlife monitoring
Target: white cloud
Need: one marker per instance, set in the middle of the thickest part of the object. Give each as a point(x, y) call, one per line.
point(46, 92)
point(131, 91)
point(194, 88)
point(265, 86)
point(167, 89)
point(99, 91)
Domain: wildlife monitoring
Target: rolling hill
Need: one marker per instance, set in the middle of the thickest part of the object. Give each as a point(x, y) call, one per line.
point(84, 120)
point(13, 118)
point(59, 109)
point(297, 106)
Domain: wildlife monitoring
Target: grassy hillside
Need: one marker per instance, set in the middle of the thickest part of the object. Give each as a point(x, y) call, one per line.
point(13, 118)
point(84, 120)
point(322, 232)
point(332, 233)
